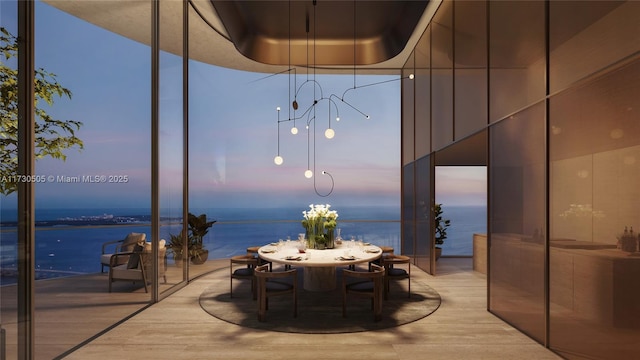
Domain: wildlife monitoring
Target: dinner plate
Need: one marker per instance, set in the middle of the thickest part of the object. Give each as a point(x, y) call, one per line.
point(268, 251)
point(292, 257)
point(347, 257)
point(372, 251)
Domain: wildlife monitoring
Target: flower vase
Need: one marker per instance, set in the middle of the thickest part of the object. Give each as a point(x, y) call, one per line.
point(330, 239)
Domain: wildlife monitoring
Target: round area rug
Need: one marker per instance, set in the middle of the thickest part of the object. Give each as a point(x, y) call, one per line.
point(318, 312)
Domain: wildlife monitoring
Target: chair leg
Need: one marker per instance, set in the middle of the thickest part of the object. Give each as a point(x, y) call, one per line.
point(295, 305)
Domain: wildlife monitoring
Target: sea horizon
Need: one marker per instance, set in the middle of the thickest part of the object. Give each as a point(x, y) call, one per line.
point(67, 249)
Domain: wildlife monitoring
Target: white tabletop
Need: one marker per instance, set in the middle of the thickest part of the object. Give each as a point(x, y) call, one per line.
point(344, 254)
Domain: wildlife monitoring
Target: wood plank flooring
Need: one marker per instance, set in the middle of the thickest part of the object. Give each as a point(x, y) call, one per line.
point(177, 328)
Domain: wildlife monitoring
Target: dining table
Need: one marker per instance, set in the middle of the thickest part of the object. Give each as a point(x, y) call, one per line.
point(319, 266)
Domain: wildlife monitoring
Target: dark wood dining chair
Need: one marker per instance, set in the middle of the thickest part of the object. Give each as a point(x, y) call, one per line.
point(242, 267)
point(254, 251)
point(364, 284)
point(397, 267)
point(275, 283)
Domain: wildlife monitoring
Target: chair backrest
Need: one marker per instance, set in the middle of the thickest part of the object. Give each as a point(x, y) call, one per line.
point(391, 260)
point(376, 273)
point(262, 272)
point(132, 240)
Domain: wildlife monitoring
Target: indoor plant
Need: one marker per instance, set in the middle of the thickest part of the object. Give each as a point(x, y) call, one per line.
point(198, 227)
point(441, 226)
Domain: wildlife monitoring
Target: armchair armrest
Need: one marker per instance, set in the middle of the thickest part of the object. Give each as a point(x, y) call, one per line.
point(117, 247)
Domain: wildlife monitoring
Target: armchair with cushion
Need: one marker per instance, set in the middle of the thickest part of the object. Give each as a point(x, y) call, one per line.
point(139, 264)
point(133, 270)
point(120, 246)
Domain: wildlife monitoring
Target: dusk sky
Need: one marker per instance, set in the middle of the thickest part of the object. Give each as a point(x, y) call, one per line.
point(233, 122)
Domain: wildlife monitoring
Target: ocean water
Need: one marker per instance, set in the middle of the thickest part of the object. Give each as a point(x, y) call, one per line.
point(68, 241)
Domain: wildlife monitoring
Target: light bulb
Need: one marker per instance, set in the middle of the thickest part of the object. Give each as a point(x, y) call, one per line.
point(294, 130)
point(411, 76)
point(278, 108)
point(338, 118)
point(307, 127)
point(308, 174)
point(278, 160)
point(329, 133)
point(294, 104)
point(368, 117)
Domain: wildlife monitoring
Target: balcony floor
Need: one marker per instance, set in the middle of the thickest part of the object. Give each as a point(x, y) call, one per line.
point(177, 328)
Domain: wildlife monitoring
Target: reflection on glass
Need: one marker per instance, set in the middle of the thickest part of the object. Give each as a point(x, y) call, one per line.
point(594, 262)
point(517, 220)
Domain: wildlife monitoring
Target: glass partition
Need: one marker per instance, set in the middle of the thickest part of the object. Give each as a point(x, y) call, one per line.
point(517, 215)
point(442, 76)
point(587, 36)
point(100, 193)
point(517, 56)
point(408, 113)
point(171, 150)
point(470, 82)
point(422, 101)
point(594, 217)
point(8, 204)
point(408, 210)
point(424, 243)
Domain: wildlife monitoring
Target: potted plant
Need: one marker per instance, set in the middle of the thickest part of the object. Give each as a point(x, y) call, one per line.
point(176, 247)
point(198, 228)
point(441, 226)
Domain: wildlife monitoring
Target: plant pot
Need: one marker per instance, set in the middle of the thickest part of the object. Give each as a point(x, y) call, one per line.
point(200, 257)
point(178, 260)
point(438, 253)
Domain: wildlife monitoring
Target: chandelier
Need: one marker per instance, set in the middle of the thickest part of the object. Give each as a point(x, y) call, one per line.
point(307, 113)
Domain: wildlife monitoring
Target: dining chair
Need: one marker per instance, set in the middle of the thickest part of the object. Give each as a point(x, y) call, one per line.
point(275, 283)
point(393, 272)
point(386, 251)
point(254, 251)
point(242, 267)
point(364, 284)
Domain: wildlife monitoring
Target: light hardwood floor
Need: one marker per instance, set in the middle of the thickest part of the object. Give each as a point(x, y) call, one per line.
point(177, 328)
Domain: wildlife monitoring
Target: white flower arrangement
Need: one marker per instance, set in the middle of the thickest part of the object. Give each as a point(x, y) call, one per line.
point(320, 215)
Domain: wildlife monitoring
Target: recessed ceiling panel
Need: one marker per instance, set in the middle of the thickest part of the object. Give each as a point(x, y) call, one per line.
point(320, 33)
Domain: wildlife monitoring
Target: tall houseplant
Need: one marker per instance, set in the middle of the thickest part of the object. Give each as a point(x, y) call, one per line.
point(198, 228)
point(441, 225)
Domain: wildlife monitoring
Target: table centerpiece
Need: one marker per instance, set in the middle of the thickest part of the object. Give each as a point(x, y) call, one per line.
point(319, 223)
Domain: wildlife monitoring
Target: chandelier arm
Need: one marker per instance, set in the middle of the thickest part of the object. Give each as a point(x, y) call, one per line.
point(315, 188)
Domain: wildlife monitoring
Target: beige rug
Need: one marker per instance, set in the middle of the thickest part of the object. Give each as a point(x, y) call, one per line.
point(318, 312)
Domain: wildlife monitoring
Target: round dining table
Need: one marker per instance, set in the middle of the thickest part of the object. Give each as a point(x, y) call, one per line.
point(319, 265)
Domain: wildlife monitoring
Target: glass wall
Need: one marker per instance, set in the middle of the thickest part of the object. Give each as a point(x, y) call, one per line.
point(408, 210)
point(442, 76)
point(171, 147)
point(408, 112)
point(517, 215)
point(93, 150)
point(470, 80)
point(594, 267)
point(8, 206)
point(593, 142)
point(424, 213)
point(517, 56)
point(422, 101)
